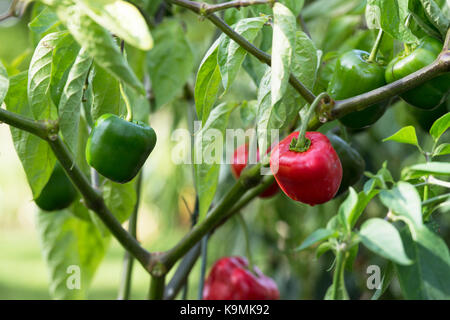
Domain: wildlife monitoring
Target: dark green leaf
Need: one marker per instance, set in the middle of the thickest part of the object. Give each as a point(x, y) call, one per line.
point(428, 277)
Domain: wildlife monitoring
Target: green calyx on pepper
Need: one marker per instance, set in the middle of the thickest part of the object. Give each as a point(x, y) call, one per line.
point(354, 74)
point(430, 94)
point(118, 148)
point(353, 164)
point(58, 193)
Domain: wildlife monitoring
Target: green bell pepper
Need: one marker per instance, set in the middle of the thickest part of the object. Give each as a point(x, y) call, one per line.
point(354, 75)
point(58, 193)
point(430, 94)
point(118, 148)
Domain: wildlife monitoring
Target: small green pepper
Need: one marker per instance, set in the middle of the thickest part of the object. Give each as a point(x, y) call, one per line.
point(353, 164)
point(118, 148)
point(58, 193)
point(354, 75)
point(426, 118)
point(433, 92)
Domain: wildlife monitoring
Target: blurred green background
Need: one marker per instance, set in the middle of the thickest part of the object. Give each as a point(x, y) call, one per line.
point(276, 225)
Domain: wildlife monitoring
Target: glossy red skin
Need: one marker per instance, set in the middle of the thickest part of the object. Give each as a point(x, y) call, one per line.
point(230, 279)
point(239, 162)
point(311, 177)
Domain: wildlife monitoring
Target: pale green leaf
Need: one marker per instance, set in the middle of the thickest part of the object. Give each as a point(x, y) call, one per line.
point(390, 16)
point(4, 82)
point(316, 236)
point(382, 238)
point(207, 83)
point(208, 155)
point(99, 44)
point(283, 46)
point(39, 76)
point(73, 249)
point(34, 153)
point(121, 18)
point(404, 200)
point(70, 104)
point(231, 55)
point(405, 135)
point(442, 150)
point(440, 126)
point(120, 198)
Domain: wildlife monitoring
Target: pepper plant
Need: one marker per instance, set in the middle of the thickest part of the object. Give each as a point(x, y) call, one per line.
point(83, 108)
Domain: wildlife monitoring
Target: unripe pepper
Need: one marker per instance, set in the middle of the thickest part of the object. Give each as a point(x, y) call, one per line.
point(239, 162)
point(354, 75)
point(312, 176)
point(353, 164)
point(58, 193)
point(433, 92)
point(230, 279)
point(118, 148)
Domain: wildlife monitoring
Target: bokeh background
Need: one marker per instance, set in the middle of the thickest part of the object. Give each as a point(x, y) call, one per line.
point(276, 225)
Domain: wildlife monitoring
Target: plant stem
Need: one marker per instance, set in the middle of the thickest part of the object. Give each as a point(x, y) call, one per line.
point(439, 198)
point(346, 106)
point(300, 144)
point(204, 252)
point(157, 288)
point(247, 241)
point(212, 219)
point(376, 46)
point(127, 103)
point(210, 8)
point(244, 43)
point(125, 288)
point(95, 202)
point(338, 276)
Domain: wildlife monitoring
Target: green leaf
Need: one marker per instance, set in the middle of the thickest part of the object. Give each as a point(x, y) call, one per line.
point(428, 277)
point(120, 198)
point(71, 247)
point(170, 62)
point(305, 66)
point(405, 135)
point(106, 93)
point(64, 55)
point(208, 155)
point(99, 44)
point(385, 281)
point(34, 153)
point(442, 150)
point(121, 18)
point(317, 236)
point(231, 55)
point(283, 46)
point(4, 83)
point(390, 16)
point(382, 238)
point(440, 126)
point(270, 117)
point(294, 5)
point(70, 104)
point(404, 200)
point(248, 112)
point(436, 16)
point(352, 208)
point(435, 168)
point(44, 23)
point(207, 83)
point(39, 76)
